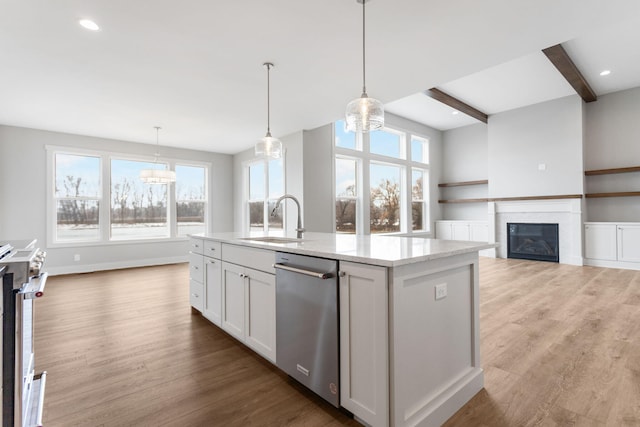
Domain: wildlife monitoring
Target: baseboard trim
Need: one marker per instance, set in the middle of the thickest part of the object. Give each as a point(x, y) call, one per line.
point(89, 268)
point(612, 264)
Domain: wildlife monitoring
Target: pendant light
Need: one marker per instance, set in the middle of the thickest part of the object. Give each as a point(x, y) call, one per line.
point(157, 176)
point(364, 114)
point(269, 146)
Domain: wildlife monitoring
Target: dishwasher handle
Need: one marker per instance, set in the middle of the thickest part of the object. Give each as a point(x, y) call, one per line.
point(315, 274)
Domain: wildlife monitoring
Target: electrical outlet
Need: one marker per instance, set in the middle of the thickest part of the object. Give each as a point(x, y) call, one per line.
point(542, 166)
point(76, 257)
point(441, 291)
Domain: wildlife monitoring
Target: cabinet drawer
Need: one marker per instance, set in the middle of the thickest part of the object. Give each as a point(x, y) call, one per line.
point(196, 267)
point(259, 259)
point(196, 295)
point(212, 249)
point(196, 245)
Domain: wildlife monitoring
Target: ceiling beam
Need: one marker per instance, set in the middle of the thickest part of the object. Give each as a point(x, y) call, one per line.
point(456, 104)
point(559, 57)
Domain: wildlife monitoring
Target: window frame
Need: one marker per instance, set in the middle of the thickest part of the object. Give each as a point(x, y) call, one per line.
point(246, 218)
point(105, 208)
point(365, 158)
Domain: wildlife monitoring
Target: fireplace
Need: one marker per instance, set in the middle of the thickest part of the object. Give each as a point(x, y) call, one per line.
point(533, 241)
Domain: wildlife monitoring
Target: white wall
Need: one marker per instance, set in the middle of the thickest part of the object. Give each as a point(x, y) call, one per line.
point(465, 158)
point(549, 133)
point(318, 179)
point(612, 141)
point(23, 209)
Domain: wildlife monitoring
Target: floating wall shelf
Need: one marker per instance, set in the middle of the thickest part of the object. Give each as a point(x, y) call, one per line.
point(611, 172)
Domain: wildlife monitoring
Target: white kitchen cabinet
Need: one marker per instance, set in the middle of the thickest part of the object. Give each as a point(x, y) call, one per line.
point(460, 231)
point(611, 244)
point(443, 230)
point(233, 291)
point(196, 273)
point(475, 231)
point(478, 231)
point(629, 243)
point(600, 241)
point(196, 292)
point(364, 361)
point(212, 309)
point(260, 309)
point(249, 298)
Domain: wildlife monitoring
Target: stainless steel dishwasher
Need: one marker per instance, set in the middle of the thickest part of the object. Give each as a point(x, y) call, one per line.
point(307, 322)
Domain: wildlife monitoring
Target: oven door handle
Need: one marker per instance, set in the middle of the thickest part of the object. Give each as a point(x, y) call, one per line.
point(35, 287)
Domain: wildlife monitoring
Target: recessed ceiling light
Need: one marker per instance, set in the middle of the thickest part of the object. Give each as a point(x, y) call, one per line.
point(605, 72)
point(455, 112)
point(89, 24)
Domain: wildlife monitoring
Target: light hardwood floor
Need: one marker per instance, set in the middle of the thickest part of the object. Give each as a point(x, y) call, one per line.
point(560, 346)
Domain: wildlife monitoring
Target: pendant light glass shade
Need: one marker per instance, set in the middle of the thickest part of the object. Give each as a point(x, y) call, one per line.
point(269, 146)
point(364, 114)
point(157, 176)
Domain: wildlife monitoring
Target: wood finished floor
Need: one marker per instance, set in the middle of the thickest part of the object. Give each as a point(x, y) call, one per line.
point(560, 346)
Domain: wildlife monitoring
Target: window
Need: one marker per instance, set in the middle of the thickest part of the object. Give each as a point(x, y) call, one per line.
point(419, 181)
point(266, 184)
point(394, 165)
point(77, 195)
point(138, 210)
point(385, 198)
point(387, 142)
point(97, 204)
point(191, 199)
point(346, 194)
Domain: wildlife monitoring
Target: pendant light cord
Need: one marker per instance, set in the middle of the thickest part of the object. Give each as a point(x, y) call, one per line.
point(364, 85)
point(157, 153)
point(268, 65)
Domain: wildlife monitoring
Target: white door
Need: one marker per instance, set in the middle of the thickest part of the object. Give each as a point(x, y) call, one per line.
point(260, 312)
point(213, 291)
point(233, 300)
point(600, 241)
point(629, 243)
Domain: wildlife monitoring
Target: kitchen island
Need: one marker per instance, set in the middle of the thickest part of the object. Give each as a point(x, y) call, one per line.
point(408, 306)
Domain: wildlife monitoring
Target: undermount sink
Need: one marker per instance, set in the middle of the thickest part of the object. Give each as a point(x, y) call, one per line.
point(273, 239)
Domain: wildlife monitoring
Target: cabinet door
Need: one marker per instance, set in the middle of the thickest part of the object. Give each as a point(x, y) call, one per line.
point(460, 231)
point(213, 291)
point(629, 243)
point(260, 312)
point(233, 300)
point(364, 362)
point(196, 246)
point(600, 241)
point(443, 230)
point(479, 232)
point(196, 294)
point(196, 267)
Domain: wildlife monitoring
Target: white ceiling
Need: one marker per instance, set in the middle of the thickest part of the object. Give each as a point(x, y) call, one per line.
point(195, 67)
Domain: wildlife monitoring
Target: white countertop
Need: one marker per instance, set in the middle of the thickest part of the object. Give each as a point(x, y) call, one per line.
point(383, 250)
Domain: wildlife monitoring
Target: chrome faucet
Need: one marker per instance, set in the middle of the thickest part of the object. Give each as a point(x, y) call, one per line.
point(299, 229)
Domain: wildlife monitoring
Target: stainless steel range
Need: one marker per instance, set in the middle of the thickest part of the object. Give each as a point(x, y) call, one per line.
point(22, 282)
